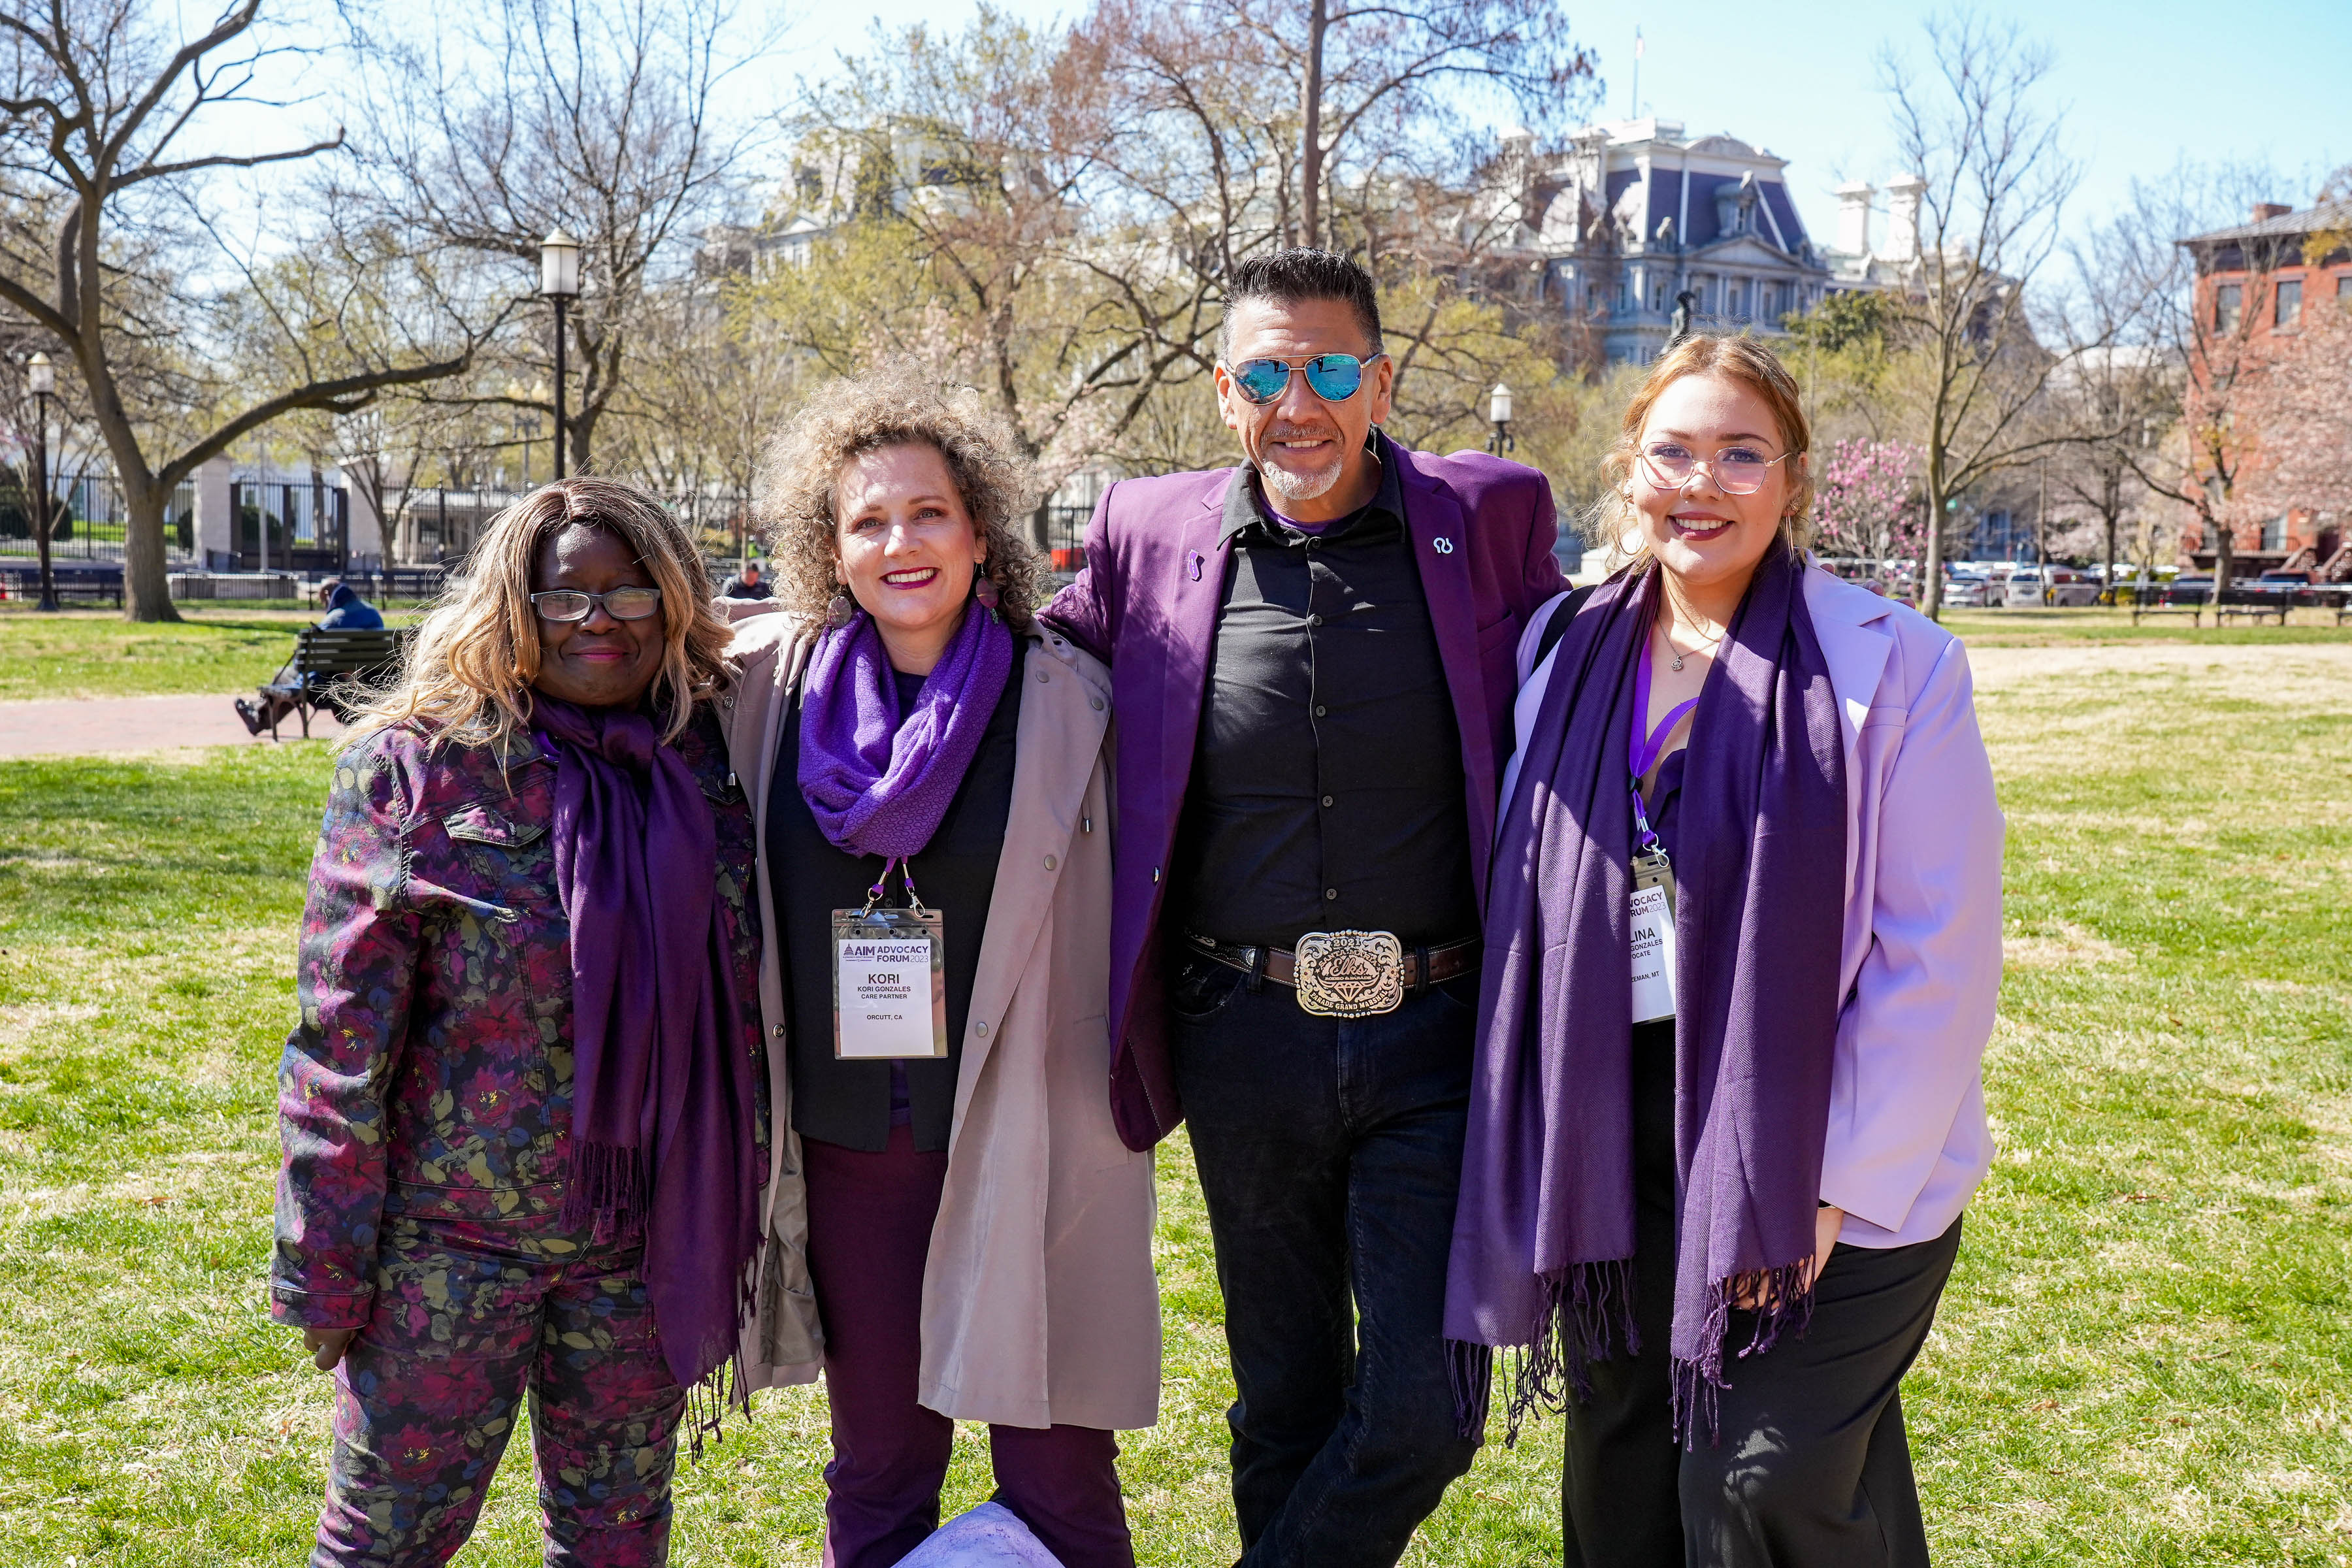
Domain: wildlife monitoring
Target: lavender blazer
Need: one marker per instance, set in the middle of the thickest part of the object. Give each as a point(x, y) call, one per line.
point(1146, 604)
point(1921, 962)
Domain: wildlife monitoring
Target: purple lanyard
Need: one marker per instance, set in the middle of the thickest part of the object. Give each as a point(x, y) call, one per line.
point(1644, 748)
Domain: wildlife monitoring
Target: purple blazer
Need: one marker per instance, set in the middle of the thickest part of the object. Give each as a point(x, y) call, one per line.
point(1146, 605)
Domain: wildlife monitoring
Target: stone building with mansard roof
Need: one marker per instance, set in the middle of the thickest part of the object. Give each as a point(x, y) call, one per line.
point(1634, 214)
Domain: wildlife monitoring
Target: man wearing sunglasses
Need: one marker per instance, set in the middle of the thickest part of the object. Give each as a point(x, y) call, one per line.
point(1312, 670)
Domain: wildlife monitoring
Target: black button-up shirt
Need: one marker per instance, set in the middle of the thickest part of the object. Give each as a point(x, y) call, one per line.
point(1327, 787)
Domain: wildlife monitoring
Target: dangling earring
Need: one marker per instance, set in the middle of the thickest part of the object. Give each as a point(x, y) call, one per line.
point(838, 610)
point(984, 589)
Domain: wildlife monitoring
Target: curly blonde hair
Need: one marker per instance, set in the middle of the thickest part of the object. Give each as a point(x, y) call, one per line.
point(895, 406)
point(1612, 519)
point(468, 677)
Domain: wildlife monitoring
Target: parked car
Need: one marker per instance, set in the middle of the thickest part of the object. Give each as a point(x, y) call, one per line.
point(2285, 583)
point(2060, 585)
point(1967, 591)
point(2195, 588)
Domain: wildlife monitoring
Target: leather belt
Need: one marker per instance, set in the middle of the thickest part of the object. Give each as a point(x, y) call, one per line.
point(1346, 973)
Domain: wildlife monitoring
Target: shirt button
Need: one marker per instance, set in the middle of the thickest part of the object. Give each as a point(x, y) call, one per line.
point(1326, 800)
point(1330, 893)
point(1041, 678)
point(1049, 862)
point(1095, 703)
point(1320, 710)
point(778, 1031)
point(983, 1029)
point(1314, 620)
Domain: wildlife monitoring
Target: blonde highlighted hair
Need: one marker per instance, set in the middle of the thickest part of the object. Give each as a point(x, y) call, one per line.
point(468, 676)
point(895, 406)
point(1614, 520)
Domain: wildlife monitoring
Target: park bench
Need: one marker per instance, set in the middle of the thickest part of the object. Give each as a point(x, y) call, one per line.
point(72, 587)
point(2251, 612)
point(2196, 612)
point(327, 665)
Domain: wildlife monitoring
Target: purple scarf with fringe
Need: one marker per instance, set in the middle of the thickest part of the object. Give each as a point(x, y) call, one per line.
point(662, 1098)
point(1543, 1234)
point(877, 785)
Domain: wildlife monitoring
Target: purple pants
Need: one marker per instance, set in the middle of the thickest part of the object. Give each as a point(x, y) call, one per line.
point(870, 1220)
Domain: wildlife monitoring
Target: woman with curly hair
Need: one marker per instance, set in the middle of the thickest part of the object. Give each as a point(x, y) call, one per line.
point(524, 1113)
point(932, 775)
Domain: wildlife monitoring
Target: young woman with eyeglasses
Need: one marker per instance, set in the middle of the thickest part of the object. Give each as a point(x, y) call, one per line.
point(1744, 938)
point(525, 1111)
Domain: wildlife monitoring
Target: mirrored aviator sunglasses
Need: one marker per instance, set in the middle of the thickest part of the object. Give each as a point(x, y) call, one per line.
point(1335, 378)
point(621, 604)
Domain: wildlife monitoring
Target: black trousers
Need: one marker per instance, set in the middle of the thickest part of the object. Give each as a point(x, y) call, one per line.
point(1811, 1468)
point(1330, 1153)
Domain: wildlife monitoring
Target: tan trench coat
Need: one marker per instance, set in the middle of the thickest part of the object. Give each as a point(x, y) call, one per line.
point(1039, 1301)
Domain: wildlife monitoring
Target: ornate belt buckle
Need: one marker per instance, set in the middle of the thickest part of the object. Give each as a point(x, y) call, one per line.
point(1349, 973)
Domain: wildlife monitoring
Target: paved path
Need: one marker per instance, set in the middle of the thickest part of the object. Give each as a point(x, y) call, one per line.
point(133, 725)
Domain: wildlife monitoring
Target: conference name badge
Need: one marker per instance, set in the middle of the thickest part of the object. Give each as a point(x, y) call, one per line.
point(1654, 937)
point(889, 984)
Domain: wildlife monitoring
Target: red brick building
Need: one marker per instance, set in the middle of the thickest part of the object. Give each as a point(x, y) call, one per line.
point(2259, 290)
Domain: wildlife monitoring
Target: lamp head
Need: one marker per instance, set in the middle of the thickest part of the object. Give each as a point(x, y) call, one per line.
point(1498, 405)
point(559, 265)
point(41, 375)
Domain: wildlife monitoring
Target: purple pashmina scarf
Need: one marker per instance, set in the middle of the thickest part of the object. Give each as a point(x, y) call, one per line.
point(878, 782)
point(1543, 1237)
point(663, 1099)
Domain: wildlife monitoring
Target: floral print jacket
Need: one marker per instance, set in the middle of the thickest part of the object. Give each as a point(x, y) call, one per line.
point(431, 1073)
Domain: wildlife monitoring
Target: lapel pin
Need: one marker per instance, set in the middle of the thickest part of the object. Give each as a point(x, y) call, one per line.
point(1443, 546)
point(1196, 560)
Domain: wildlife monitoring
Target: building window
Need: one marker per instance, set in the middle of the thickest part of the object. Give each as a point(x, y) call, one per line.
point(2228, 298)
point(2286, 303)
point(1734, 301)
point(2274, 533)
point(2344, 287)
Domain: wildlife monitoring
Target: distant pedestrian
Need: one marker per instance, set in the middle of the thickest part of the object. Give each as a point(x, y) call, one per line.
point(749, 586)
point(346, 611)
point(1745, 945)
point(524, 1114)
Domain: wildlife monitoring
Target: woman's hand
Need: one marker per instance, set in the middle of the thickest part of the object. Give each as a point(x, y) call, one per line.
point(1752, 1296)
point(327, 1345)
point(1827, 1222)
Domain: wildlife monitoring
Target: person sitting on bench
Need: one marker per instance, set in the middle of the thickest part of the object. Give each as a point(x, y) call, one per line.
point(346, 611)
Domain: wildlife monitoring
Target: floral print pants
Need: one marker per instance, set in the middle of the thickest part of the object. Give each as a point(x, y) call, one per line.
point(468, 1316)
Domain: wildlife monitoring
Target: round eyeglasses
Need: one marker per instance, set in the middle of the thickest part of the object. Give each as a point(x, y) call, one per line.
point(1736, 470)
point(1334, 378)
point(621, 604)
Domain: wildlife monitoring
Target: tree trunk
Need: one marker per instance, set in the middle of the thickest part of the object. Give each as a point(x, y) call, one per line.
point(1311, 114)
point(146, 595)
point(1931, 543)
point(2223, 542)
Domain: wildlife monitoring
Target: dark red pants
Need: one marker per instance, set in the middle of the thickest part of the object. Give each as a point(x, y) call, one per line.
point(870, 1220)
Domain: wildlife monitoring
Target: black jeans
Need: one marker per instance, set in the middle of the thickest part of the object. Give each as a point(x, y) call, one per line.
point(1330, 1153)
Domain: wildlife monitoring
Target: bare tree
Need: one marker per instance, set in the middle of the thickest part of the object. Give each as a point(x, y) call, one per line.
point(496, 123)
point(1994, 182)
point(103, 236)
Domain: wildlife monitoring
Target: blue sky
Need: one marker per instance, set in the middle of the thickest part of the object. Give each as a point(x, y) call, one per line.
point(2144, 83)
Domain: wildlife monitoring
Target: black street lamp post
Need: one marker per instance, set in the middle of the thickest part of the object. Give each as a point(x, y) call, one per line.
point(559, 281)
point(1498, 413)
point(41, 377)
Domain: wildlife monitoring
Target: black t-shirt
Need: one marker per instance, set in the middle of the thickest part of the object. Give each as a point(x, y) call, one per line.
point(849, 1102)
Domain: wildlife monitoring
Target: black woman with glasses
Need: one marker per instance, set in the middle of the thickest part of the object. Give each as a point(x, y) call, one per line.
point(1311, 654)
point(524, 1115)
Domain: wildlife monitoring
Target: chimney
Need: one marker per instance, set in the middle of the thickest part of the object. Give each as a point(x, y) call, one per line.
point(1902, 194)
point(2266, 211)
point(1854, 217)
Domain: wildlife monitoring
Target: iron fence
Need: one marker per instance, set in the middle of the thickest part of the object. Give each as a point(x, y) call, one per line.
point(289, 526)
point(89, 520)
point(438, 525)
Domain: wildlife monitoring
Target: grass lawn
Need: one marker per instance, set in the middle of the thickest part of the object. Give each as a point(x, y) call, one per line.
point(2144, 1359)
point(96, 653)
